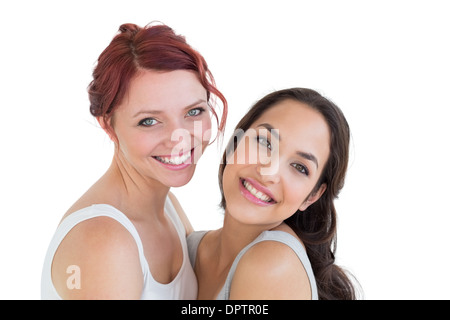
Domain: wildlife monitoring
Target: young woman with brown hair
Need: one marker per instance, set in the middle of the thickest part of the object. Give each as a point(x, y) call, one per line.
point(279, 177)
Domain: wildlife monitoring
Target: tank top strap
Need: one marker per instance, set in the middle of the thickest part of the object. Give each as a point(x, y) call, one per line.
point(193, 241)
point(48, 291)
point(173, 215)
point(100, 210)
point(282, 237)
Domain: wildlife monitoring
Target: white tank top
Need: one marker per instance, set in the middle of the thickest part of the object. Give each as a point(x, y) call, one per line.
point(183, 286)
point(195, 238)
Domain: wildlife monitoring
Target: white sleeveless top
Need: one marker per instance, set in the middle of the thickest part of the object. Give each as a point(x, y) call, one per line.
point(183, 286)
point(195, 238)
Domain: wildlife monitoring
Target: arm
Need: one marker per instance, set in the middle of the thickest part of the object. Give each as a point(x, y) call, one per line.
point(270, 270)
point(101, 257)
point(187, 225)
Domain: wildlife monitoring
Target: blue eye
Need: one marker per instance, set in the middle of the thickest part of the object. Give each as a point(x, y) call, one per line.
point(148, 122)
point(263, 141)
point(300, 168)
point(195, 112)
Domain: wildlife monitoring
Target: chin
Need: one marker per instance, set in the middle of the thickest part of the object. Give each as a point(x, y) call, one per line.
point(177, 185)
point(245, 215)
point(180, 179)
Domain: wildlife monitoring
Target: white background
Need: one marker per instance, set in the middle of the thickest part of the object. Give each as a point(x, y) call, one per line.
point(385, 63)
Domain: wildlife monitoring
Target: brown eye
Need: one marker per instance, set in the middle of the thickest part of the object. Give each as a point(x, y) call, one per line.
point(300, 168)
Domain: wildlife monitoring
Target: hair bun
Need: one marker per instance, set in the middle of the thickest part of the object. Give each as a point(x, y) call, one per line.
point(129, 28)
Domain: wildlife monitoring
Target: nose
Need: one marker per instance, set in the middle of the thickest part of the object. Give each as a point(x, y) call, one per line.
point(177, 138)
point(269, 173)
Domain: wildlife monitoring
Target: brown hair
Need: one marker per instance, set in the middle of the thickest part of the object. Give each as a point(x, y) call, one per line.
point(316, 226)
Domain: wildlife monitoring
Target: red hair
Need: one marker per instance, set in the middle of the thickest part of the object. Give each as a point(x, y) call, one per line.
point(154, 47)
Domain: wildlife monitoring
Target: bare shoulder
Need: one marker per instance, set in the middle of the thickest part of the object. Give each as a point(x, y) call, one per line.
point(187, 225)
point(106, 258)
point(270, 270)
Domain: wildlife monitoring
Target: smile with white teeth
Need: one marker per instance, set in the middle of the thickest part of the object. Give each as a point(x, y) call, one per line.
point(258, 194)
point(174, 160)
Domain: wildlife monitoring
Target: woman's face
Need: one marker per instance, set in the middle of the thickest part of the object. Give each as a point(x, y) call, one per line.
point(163, 125)
point(277, 164)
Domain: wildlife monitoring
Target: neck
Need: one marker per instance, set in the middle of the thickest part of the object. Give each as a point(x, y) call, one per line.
point(135, 194)
point(234, 236)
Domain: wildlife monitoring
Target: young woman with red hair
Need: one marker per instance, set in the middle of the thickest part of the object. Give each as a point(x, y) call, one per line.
point(125, 238)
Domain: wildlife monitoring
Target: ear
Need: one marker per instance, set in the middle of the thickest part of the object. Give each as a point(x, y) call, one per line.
point(106, 126)
point(313, 197)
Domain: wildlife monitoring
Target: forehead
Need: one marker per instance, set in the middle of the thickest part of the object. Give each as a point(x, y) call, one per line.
point(301, 128)
point(164, 90)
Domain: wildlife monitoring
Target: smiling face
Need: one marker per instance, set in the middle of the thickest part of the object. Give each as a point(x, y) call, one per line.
point(272, 173)
point(163, 125)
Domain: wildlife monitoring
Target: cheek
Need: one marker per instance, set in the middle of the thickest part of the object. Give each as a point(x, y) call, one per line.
point(205, 134)
point(137, 144)
point(293, 201)
point(229, 181)
point(295, 194)
point(202, 134)
point(227, 174)
point(200, 130)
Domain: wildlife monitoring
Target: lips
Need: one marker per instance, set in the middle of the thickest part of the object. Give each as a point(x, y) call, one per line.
point(175, 162)
point(255, 192)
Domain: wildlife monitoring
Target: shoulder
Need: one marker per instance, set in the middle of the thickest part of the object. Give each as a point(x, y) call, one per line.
point(184, 219)
point(270, 270)
point(105, 255)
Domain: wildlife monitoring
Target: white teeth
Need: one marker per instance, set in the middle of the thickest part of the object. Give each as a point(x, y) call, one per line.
point(256, 193)
point(174, 160)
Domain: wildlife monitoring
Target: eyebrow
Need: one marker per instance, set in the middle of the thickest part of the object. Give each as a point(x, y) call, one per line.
point(200, 101)
point(272, 130)
point(309, 156)
point(305, 155)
